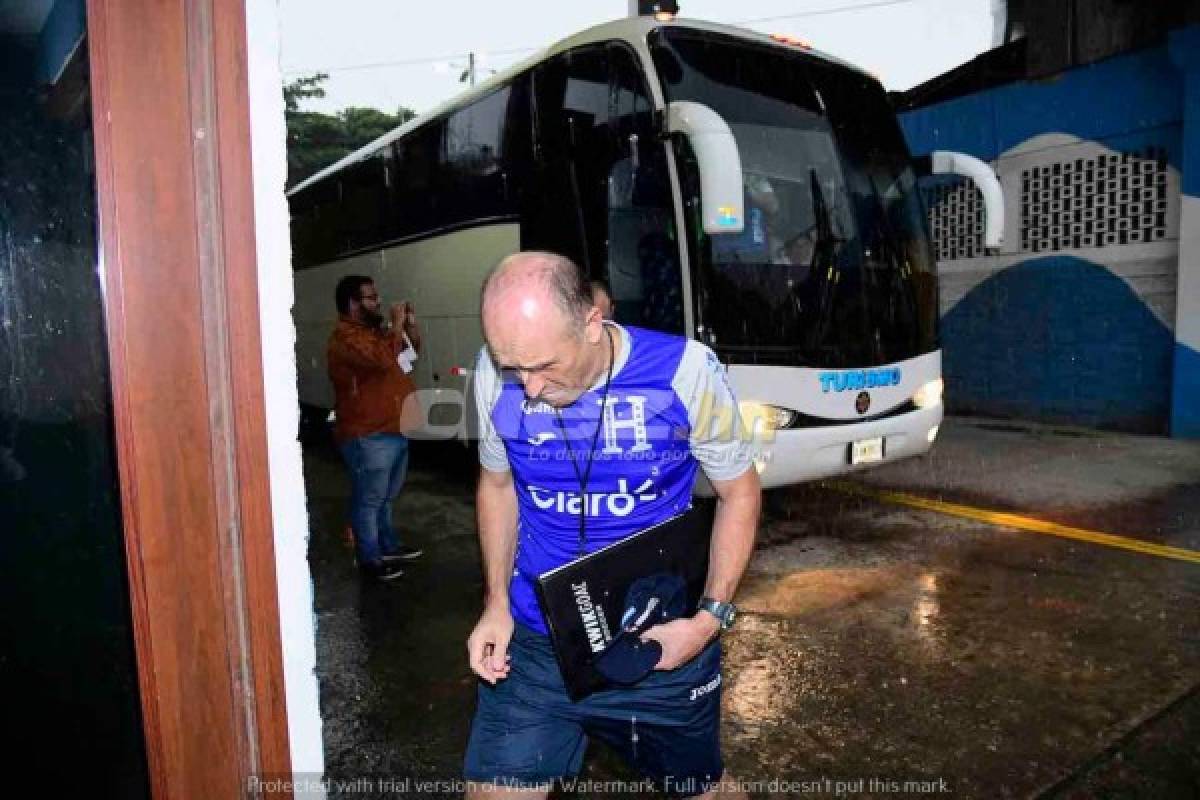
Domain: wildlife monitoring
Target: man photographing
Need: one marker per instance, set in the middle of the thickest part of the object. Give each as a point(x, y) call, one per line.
point(575, 413)
point(375, 405)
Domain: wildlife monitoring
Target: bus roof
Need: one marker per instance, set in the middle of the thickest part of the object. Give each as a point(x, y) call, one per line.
point(631, 29)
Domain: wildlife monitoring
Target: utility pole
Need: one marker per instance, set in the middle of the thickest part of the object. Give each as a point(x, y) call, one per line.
point(662, 10)
point(468, 74)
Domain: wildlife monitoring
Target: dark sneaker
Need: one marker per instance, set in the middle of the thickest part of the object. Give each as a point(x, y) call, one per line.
point(403, 554)
point(383, 572)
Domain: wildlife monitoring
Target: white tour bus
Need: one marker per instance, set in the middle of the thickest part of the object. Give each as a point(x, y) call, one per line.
point(729, 186)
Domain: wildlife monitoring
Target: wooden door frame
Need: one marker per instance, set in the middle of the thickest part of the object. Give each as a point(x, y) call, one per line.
point(177, 246)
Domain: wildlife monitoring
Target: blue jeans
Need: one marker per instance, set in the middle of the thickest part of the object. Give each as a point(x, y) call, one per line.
point(378, 463)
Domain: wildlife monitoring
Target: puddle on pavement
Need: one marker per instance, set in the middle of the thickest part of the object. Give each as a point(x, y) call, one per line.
point(874, 641)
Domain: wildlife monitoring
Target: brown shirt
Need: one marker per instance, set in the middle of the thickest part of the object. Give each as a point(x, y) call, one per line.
point(372, 394)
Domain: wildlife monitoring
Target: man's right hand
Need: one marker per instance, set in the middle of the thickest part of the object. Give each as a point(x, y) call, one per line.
point(487, 646)
point(399, 314)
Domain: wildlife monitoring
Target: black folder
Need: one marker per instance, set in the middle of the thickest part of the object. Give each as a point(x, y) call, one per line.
point(582, 602)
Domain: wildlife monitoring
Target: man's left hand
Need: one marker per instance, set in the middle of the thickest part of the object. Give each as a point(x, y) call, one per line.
point(683, 639)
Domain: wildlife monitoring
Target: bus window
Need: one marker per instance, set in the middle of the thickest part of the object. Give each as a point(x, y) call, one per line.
point(474, 160)
point(364, 203)
point(642, 262)
point(603, 195)
point(570, 94)
point(315, 214)
point(517, 144)
point(826, 272)
point(416, 198)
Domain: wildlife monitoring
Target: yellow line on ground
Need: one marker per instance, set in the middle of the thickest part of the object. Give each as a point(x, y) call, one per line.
point(1018, 521)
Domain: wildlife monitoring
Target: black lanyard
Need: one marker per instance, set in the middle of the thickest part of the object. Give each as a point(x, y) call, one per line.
point(583, 477)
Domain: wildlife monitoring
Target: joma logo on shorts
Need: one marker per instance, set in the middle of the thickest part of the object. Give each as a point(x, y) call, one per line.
point(700, 691)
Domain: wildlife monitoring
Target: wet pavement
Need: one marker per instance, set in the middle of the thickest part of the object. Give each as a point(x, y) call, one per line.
point(878, 644)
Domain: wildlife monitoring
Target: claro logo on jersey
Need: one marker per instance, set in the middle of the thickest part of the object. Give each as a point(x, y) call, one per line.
point(617, 504)
point(858, 379)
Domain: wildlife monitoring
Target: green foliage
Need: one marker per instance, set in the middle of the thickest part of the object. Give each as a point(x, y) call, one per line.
point(303, 88)
point(316, 140)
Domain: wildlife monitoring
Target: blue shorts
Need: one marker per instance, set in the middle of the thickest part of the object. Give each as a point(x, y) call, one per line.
point(527, 732)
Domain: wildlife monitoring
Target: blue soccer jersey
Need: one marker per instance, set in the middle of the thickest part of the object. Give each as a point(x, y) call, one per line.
point(668, 410)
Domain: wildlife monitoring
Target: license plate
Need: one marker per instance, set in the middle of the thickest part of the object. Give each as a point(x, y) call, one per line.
point(866, 451)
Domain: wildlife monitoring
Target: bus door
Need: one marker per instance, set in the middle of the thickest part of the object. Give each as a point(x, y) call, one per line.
point(604, 196)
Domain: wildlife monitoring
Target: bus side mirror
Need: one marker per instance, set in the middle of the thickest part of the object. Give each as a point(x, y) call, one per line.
point(721, 200)
point(941, 162)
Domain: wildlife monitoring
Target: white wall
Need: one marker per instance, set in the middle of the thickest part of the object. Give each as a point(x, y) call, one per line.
point(297, 622)
point(1148, 267)
point(1187, 310)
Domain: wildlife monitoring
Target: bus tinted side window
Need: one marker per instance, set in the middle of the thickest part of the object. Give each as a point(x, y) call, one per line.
point(416, 205)
point(364, 203)
point(571, 107)
point(517, 145)
point(315, 220)
point(602, 192)
point(473, 160)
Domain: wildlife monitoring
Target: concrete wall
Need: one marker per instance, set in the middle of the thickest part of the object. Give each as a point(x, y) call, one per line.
point(297, 621)
point(1185, 406)
point(1074, 320)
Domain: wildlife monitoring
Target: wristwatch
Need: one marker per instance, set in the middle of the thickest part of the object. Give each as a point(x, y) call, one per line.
point(726, 613)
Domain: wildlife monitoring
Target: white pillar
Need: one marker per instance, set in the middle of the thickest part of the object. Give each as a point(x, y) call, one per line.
point(297, 623)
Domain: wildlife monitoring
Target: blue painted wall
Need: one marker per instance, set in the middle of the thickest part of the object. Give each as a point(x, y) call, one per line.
point(1131, 100)
point(1059, 338)
point(1062, 340)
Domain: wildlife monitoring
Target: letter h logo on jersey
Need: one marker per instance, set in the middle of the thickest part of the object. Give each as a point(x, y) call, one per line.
point(631, 417)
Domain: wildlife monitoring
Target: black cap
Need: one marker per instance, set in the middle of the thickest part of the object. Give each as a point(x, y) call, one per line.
point(650, 601)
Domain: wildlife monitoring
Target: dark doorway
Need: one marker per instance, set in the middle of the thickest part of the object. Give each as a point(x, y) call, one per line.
point(67, 664)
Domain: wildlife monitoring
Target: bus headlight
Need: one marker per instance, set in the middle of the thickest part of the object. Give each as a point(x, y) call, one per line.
point(930, 394)
point(762, 417)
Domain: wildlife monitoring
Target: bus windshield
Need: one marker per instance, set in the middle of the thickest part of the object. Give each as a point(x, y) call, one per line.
point(834, 267)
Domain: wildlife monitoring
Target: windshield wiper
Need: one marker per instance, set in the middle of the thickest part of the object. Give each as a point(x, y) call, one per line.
point(824, 261)
point(887, 243)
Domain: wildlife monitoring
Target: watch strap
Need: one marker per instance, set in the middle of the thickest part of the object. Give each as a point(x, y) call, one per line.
point(724, 612)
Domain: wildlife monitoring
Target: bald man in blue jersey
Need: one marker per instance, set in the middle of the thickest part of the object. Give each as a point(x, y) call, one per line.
point(589, 432)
